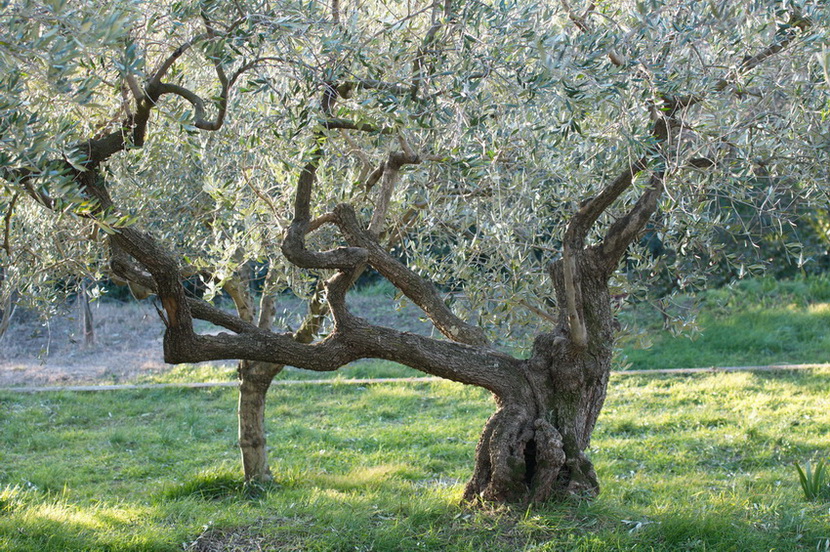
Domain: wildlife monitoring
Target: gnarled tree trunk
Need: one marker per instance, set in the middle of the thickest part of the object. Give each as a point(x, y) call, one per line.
point(534, 447)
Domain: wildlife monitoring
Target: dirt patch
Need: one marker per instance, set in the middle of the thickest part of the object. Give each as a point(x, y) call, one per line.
point(238, 540)
point(128, 340)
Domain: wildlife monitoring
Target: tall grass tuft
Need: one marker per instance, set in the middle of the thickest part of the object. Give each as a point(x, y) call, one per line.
point(814, 483)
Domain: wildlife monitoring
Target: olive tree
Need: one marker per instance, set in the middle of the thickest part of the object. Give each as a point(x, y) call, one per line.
point(494, 161)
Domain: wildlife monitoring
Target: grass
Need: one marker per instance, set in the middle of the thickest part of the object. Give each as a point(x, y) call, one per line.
point(687, 463)
point(753, 322)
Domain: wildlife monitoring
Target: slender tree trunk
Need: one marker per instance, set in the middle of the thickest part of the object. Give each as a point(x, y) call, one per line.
point(87, 326)
point(7, 307)
point(255, 379)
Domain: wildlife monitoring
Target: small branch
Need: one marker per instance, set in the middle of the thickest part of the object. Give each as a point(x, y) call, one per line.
point(335, 11)
point(581, 22)
point(322, 220)
point(202, 310)
point(439, 13)
point(171, 59)
point(387, 188)
point(261, 195)
point(783, 38)
point(41, 197)
point(539, 312)
point(237, 288)
point(7, 225)
point(135, 88)
point(331, 124)
point(391, 175)
point(374, 177)
point(198, 105)
point(317, 312)
point(407, 149)
point(336, 288)
point(392, 88)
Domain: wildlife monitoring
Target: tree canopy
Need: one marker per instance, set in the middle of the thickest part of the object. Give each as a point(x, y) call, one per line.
point(494, 160)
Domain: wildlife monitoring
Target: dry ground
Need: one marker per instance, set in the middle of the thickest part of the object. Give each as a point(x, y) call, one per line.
point(38, 352)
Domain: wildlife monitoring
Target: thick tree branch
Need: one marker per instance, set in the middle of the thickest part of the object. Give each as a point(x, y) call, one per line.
point(293, 246)
point(387, 188)
point(626, 229)
point(591, 209)
point(391, 175)
point(237, 288)
point(419, 291)
point(356, 338)
point(454, 361)
point(199, 119)
point(573, 297)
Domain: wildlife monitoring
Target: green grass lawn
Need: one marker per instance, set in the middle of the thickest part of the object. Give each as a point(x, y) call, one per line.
point(700, 462)
point(751, 323)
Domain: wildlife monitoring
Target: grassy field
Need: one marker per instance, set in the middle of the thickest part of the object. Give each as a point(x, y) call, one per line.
point(750, 323)
point(701, 462)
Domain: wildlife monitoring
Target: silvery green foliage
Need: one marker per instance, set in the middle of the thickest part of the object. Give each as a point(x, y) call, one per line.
point(521, 112)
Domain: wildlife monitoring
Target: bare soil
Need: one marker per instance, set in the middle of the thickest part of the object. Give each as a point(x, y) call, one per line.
point(128, 341)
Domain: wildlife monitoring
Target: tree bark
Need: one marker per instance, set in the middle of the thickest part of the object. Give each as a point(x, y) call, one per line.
point(87, 326)
point(255, 379)
point(7, 306)
point(534, 447)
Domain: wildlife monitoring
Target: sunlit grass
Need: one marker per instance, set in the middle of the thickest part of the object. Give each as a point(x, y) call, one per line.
point(754, 322)
point(702, 462)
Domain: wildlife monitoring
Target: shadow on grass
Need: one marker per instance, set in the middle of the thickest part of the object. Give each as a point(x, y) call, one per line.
point(239, 539)
point(217, 484)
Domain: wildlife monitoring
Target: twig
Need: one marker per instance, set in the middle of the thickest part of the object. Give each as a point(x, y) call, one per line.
point(7, 224)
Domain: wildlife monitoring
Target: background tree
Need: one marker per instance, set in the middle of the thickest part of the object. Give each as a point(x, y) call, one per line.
point(493, 161)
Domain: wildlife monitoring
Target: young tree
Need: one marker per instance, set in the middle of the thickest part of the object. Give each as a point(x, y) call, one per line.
point(509, 153)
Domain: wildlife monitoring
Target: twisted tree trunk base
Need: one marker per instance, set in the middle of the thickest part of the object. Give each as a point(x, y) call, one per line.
point(524, 459)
